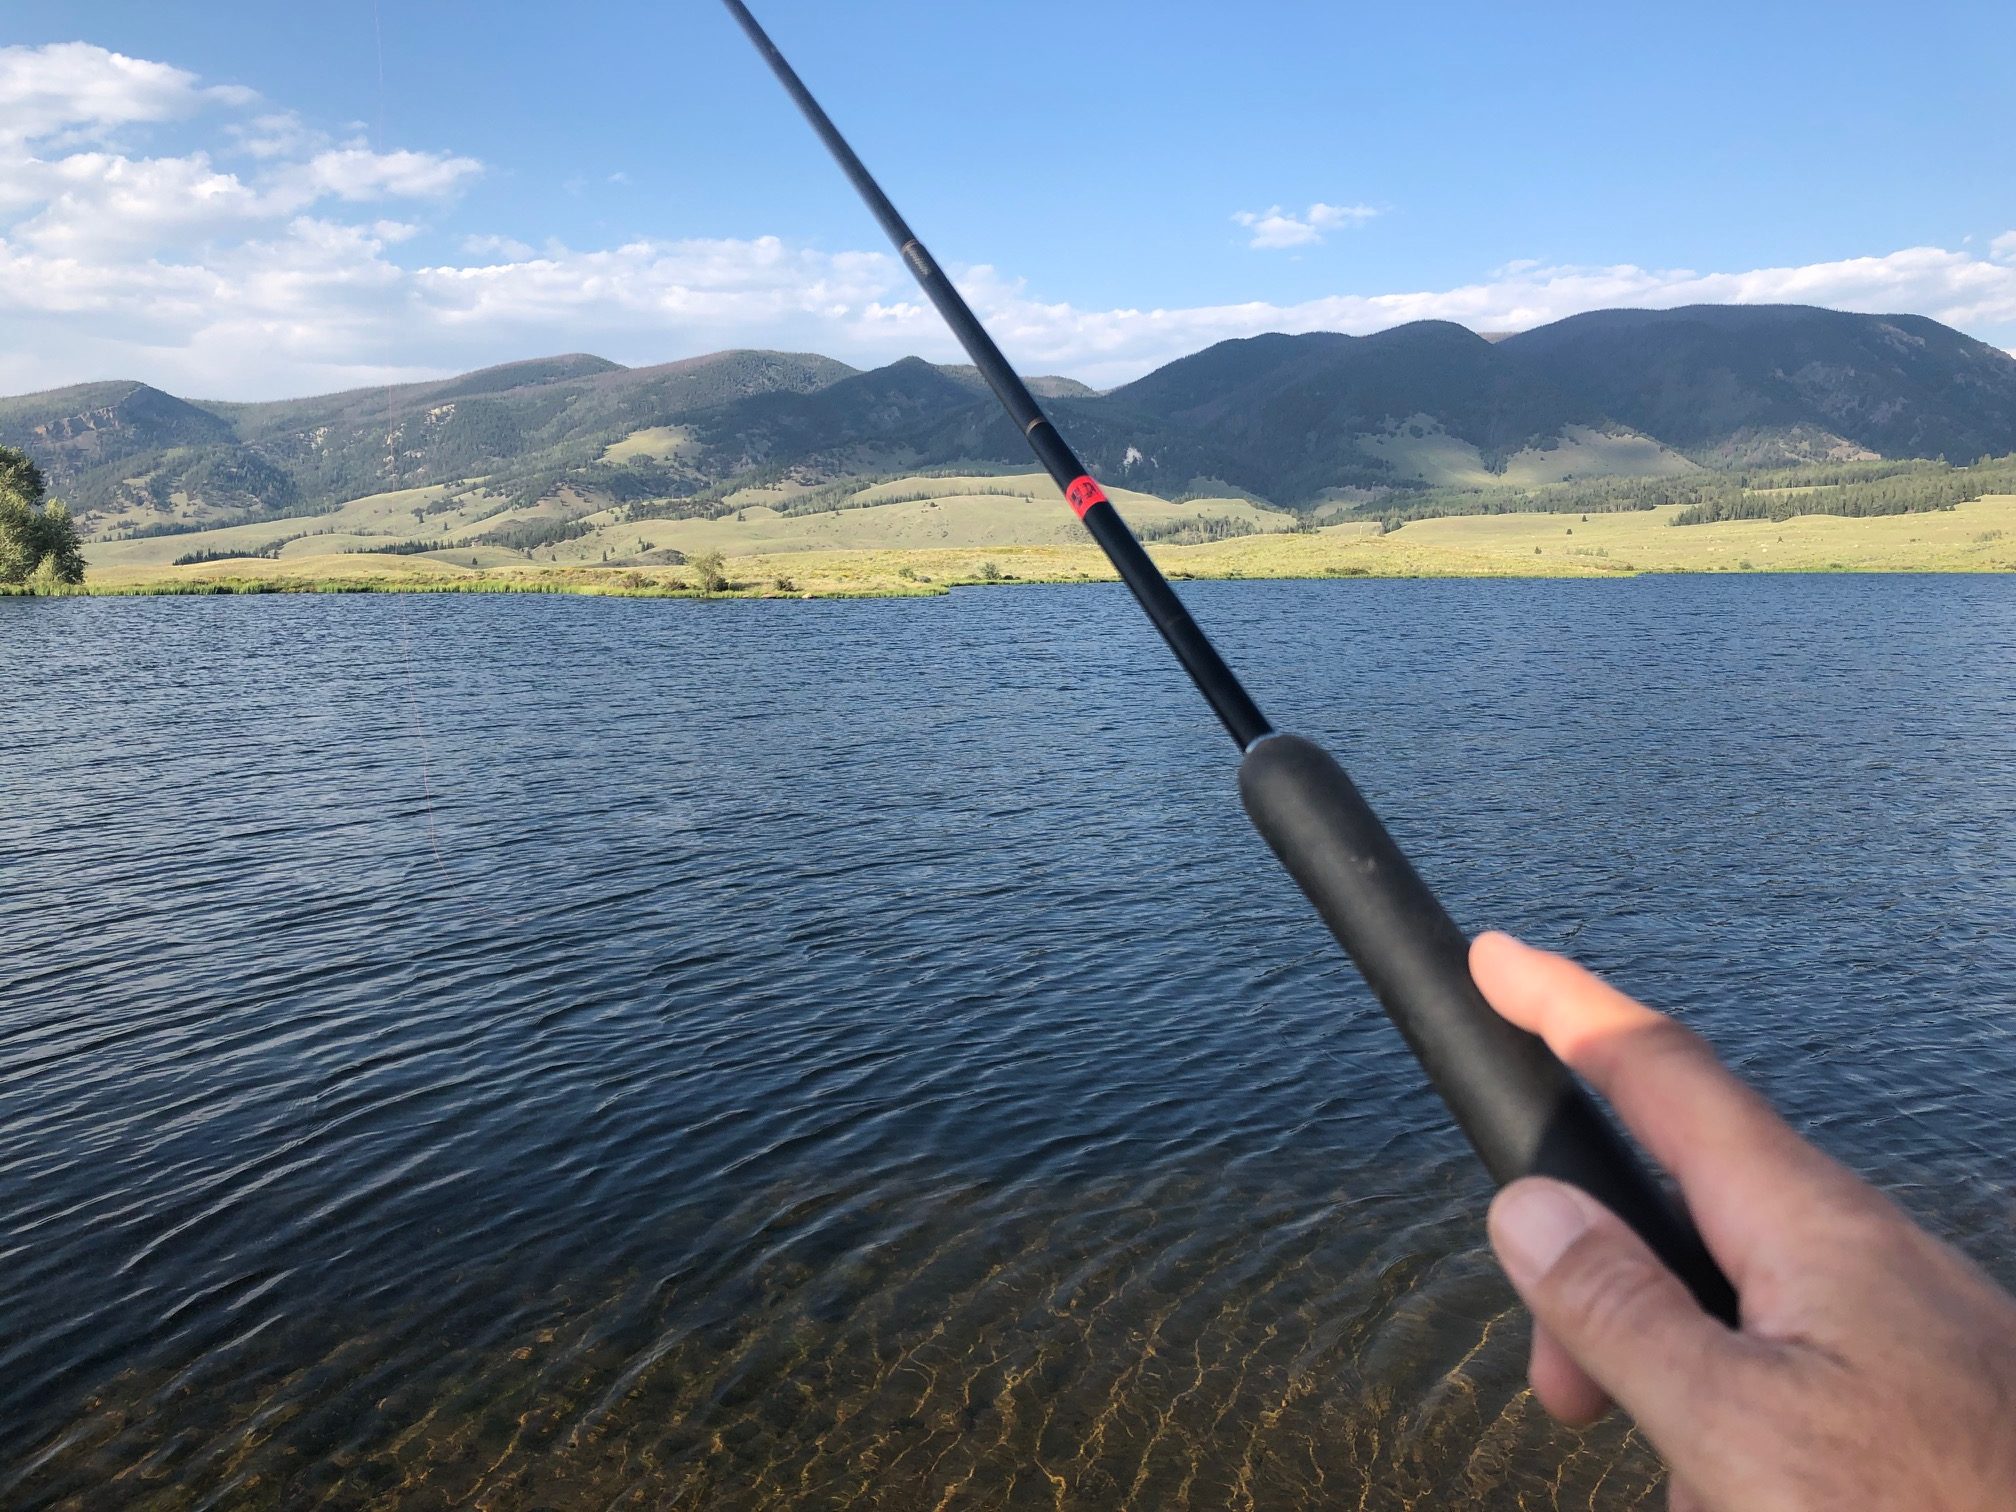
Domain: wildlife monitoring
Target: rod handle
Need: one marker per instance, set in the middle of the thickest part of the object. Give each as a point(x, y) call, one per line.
point(1515, 1101)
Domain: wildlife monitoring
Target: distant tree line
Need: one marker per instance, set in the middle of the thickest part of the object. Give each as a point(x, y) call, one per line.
point(1923, 487)
point(1776, 493)
point(849, 494)
point(1197, 530)
point(268, 552)
point(156, 529)
point(529, 535)
point(712, 503)
point(400, 548)
point(164, 528)
point(1827, 474)
point(1588, 496)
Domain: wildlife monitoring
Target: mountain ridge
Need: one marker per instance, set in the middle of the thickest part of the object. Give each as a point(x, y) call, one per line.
point(1290, 420)
point(1861, 378)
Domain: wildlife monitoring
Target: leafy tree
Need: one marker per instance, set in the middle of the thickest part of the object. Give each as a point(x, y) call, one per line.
point(710, 571)
point(37, 540)
point(19, 474)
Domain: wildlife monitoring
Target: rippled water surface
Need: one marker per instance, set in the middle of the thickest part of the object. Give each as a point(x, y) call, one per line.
point(555, 1053)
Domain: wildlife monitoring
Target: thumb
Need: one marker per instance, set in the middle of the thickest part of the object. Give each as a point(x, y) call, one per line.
point(1622, 1316)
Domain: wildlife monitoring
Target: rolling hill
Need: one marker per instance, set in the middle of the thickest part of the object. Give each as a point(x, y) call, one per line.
point(1773, 383)
point(1308, 414)
point(577, 458)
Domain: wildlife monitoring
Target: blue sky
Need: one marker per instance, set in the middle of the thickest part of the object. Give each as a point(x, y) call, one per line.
point(235, 205)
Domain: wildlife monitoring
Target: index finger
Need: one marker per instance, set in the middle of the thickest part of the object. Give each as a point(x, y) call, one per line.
point(1736, 1160)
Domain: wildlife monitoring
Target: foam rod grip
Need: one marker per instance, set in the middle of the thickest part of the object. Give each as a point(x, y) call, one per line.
point(1521, 1109)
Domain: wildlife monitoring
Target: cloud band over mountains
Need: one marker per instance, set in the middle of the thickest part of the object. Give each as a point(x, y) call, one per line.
point(277, 260)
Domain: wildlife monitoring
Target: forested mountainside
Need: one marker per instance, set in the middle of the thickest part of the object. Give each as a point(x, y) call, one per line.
point(1302, 422)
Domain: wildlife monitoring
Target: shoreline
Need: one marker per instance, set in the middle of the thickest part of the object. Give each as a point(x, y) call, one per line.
point(538, 583)
point(1972, 538)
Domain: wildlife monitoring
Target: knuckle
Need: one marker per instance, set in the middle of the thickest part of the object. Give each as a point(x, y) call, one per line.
point(1652, 1053)
point(1667, 1040)
point(1611, 1294)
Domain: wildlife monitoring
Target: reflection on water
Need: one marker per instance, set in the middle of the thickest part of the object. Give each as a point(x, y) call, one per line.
point(567, 1054)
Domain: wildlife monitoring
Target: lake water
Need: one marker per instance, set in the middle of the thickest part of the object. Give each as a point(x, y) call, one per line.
point(553, 1052)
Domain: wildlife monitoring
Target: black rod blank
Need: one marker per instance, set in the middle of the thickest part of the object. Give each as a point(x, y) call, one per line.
point(1520, 1108)
point(1228, 699)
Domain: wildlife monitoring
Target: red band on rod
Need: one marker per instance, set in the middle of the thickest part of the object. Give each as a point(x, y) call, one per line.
point(1083, 494)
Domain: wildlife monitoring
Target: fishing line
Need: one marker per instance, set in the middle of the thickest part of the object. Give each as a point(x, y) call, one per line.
point(378, 36)
point(458, 885)
point(417, 717)
point(1521, 1109)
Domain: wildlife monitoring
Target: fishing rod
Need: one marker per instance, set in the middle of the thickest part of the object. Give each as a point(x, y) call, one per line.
point(1522, 1111)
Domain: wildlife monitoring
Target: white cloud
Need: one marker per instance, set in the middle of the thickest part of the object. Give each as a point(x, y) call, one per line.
point(355, 172)
point(1275, 228)
point(97, 203)
point(712, 292)
point(509, 248)
point(175, 267)
point(277, 134)
point(1331, 217)
point(107, 204)
point(283, 271)
point(318, 304)
point(1110, 346)
point(100, 203)
point(76, 88)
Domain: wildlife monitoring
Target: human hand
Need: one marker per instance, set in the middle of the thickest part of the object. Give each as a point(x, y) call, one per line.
point(1875, 1366)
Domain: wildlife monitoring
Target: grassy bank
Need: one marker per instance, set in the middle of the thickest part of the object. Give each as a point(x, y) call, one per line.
point(1977, 537)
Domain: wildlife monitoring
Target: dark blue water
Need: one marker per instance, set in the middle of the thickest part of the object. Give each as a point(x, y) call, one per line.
point(522, 1052)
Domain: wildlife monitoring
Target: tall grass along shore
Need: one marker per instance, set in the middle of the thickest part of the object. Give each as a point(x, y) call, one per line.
point(1974, 537)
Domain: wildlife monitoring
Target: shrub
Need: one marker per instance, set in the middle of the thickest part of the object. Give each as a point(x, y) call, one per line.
point(710, 573)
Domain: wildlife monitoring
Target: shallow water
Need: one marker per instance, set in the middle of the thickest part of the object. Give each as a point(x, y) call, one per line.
point(523, 1053)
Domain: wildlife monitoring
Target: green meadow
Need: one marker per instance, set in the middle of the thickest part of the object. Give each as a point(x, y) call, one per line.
point(891, 543)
